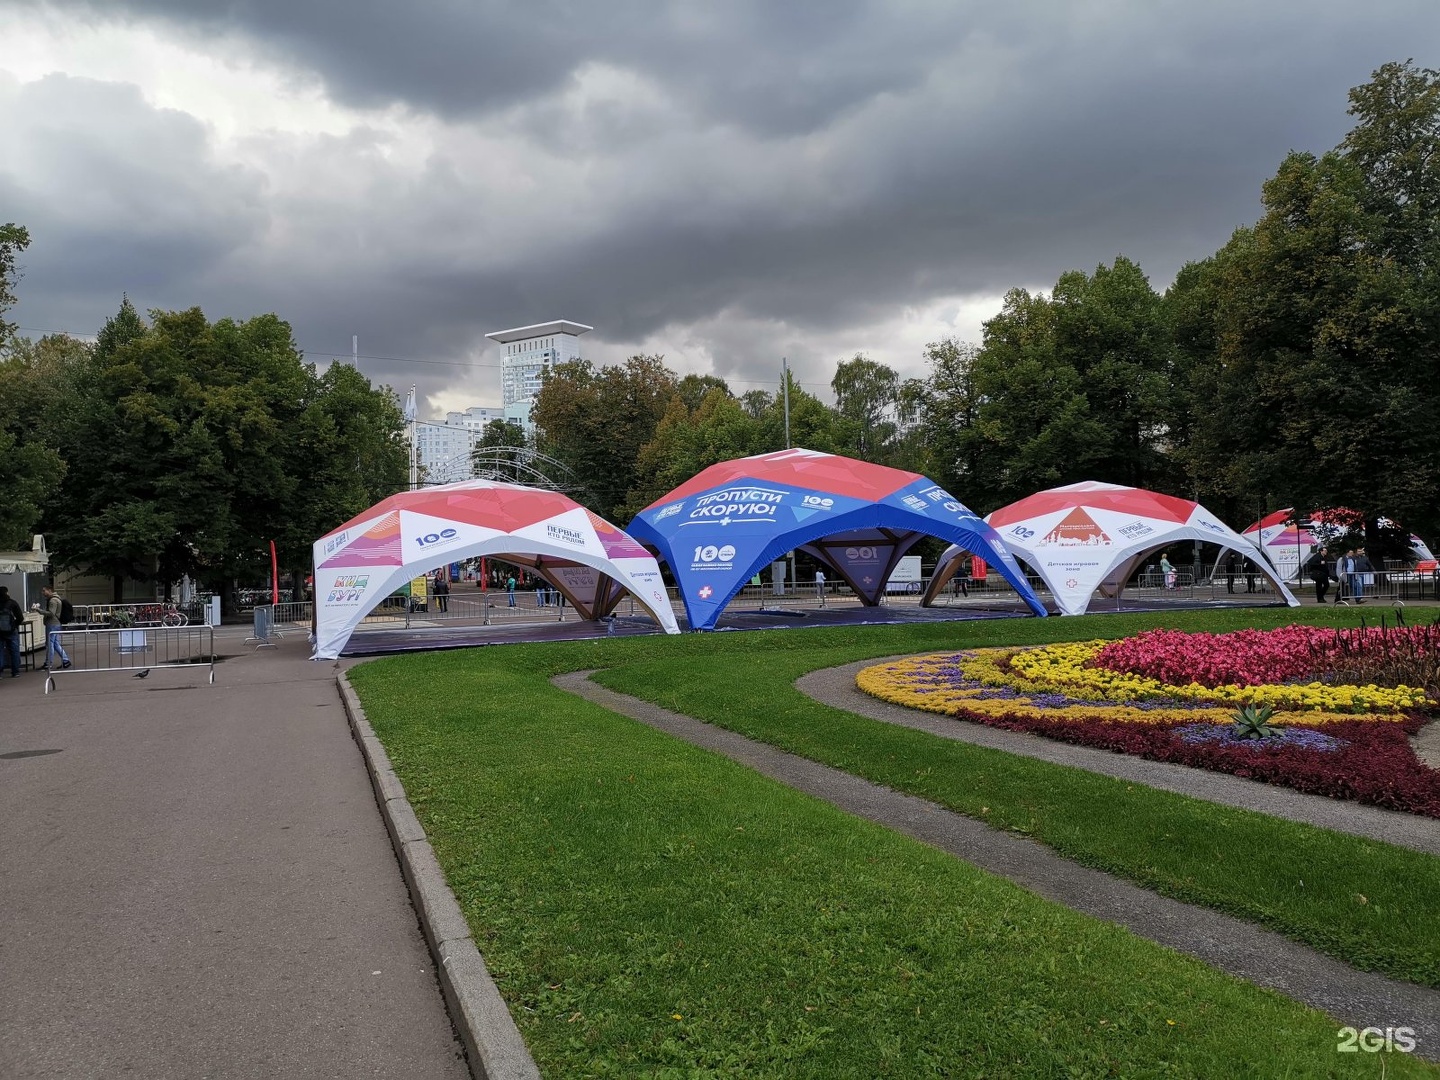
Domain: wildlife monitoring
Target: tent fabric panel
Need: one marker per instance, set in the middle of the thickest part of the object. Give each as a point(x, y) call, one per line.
point(705, 593)
point(798, 468)
point(345, 595)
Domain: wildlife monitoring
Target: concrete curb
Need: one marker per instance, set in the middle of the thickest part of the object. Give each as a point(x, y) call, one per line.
point(494, 1047)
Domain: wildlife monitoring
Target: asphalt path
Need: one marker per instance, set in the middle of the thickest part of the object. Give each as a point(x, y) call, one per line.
point(197, 883)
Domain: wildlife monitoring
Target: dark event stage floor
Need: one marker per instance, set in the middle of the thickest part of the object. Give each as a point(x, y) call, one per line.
point(379, 642)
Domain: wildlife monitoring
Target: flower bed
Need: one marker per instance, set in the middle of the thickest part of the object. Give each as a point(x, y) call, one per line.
point(1345, 741)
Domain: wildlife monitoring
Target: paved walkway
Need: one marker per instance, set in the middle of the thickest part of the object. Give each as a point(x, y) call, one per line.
point(1241, 948)
point(196, 883)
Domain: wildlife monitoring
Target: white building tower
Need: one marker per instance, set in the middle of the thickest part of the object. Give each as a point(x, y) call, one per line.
point(529, 350)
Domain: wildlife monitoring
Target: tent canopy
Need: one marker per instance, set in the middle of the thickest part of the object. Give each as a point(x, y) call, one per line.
point(1287, 543)
point(589, 560)
point(720, 528)
point(1089, 536)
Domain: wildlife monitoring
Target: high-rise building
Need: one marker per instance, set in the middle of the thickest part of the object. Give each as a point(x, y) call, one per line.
point(442, 448)
point(529, 350)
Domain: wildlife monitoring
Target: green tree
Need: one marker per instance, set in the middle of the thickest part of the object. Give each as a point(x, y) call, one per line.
point(33, 378)
point(1066, 387)
point(866, 396)
point(595, 420)
point(942, 411)
point(192, 444)
point(687, 441)
point(349, 452)
point(13, 240)
point(501, 451)
point(1326, 376)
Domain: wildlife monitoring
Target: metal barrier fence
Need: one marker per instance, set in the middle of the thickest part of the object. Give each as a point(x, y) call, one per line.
point(137, 650)
point(143, 613)
point(1386, 586)
point(277, 620)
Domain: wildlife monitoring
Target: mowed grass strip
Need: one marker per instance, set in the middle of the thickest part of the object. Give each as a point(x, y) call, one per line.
point(1372, 905)
point(650, 909)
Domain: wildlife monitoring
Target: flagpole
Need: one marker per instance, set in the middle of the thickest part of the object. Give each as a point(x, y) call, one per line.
point(410, 421)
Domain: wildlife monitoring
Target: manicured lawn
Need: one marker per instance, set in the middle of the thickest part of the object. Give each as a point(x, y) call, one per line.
point(618, 879)
point(1305, 882)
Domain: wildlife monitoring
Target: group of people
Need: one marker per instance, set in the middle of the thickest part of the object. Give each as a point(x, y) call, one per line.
point(12, 618)
point(1351, 570)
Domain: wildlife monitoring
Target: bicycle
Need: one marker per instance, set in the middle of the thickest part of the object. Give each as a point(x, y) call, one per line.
point(173, 616)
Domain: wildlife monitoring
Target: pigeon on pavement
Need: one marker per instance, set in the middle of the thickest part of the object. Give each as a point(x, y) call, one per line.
point(141, 674)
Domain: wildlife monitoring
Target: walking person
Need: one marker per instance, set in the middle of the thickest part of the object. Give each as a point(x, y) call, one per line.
point(1319, 573)
point(1231, 562)
point(10, 619)
point(961, 580)
point(1167, 571)
point(53, 622)
point(442, 590)
point(510, 588)
point(1249, 571)
point(1361, 571)
point(1343, 563)
point(820, 585)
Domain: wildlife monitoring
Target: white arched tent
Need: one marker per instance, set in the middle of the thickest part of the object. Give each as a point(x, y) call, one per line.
point(592, 562)
point(1091, 536)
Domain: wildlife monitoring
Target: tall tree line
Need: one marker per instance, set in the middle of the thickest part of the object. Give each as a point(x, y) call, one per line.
point(181, 446)
point(1299, 365)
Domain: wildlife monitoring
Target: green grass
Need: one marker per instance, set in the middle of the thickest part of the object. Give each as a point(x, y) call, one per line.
point(616, 878)
point(1302, 881)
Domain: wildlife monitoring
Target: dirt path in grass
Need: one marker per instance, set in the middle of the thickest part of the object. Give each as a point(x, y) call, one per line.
point(836, 687)
point(1267, 959)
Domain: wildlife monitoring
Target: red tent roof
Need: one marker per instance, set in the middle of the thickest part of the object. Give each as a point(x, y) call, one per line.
point(800, 468)
point(1113, 497)
point(487, 503)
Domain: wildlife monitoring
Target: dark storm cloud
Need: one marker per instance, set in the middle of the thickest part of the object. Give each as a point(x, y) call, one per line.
point(780, 67)
point(773, 175)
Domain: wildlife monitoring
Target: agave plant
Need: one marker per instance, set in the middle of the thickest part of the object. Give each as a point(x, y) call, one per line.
point(1253, 722)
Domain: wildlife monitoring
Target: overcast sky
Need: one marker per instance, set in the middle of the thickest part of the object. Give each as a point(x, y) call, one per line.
point(722, 181)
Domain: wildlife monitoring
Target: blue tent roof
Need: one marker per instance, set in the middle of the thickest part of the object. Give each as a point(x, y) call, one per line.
point(856, 518)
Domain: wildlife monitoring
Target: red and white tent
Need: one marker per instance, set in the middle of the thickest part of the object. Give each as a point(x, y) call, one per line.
point(1089, 536)
point(1288, 543)
point(592, 562)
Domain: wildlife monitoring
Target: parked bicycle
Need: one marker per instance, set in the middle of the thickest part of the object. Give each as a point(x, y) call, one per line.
point(164, 614)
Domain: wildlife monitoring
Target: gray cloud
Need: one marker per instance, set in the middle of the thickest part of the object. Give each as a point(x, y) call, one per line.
point(745, 178)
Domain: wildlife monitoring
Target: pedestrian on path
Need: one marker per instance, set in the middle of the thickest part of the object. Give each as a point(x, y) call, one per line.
point(820, 585)
point(442, 590)
point(1230, 564)
point(10, 619)
point(510, 589)
point(1318, 572)
point(1167, 569)
point(54, 605)
point(1361, 575)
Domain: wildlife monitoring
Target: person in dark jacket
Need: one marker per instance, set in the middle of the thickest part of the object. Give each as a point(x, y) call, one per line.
point(10, 619)
point(1231, 563)
point(1319, 573)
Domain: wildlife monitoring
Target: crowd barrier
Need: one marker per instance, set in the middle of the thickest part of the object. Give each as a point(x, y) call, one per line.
point(136, 649)
point(139, 613)
point(277, 620)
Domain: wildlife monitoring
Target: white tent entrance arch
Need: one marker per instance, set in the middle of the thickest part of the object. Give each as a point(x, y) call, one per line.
point(592, 562)
point(1089, 537)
